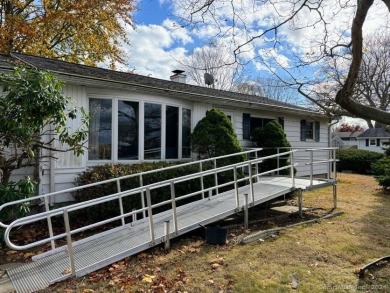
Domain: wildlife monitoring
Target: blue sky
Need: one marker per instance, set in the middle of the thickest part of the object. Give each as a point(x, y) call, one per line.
point(158, 42)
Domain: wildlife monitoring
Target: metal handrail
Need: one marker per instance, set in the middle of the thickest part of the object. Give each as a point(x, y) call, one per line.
point(72, 189)
point(77, 206)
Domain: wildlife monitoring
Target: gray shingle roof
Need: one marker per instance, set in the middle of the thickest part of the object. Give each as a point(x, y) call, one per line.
point(374, 132)
point(84, 71)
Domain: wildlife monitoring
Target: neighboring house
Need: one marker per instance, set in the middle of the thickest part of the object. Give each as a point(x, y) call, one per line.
point(372, 139)
point(345, 140)
point(136, 118)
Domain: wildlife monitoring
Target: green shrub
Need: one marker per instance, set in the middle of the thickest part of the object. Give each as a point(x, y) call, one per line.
point(381, 170)
point(15, 191)
point(356, 160)
point(214, 136)
point(108, 171)
point(270, 138)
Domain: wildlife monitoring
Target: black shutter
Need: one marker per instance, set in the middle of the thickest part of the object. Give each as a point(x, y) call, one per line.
point(367, 142)
point(303, 130)
point(281, 121)
point(317, 130)
point(246, 126)
point(378, 142)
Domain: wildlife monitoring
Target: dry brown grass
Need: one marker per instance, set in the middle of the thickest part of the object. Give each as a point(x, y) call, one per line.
point(322, 256)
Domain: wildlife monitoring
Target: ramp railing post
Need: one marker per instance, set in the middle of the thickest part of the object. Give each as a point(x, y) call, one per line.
point(251, 183)
point(174, 215)
point(311, 167)
point(246, 216)
point(166, 232)
point(133, 216)
point(334, 180)
point(236, 186)
point(215, 176)
point(278, 160)
point(141, 183)
point(49, 224)
point(69, 243)
point(118, 185)
point(292, 171)
point(257, 167)
point(150, 215)
point(201, 179)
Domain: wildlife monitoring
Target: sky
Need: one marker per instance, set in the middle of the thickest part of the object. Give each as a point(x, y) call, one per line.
point(159, 41)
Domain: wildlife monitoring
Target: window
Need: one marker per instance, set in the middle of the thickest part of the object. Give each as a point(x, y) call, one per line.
point(310, 130)
point(186, 133)
point(117, 125)
point(100, 129)
point(128, 130)
point(152, 126)
point(172, 132)
point(372, 142)
point(251, 123)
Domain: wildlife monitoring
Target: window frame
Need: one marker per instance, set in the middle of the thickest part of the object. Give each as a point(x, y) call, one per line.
point(141, 129)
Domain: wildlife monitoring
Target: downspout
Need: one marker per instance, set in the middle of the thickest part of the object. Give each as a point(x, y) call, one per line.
point(337, 118)
point(52, 176)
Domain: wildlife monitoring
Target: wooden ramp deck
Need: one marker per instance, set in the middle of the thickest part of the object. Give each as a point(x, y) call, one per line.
point(106, 248)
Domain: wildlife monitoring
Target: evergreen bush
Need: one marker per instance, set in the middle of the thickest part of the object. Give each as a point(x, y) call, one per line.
point(270, 138)
point(214, 136)
point(381, 170)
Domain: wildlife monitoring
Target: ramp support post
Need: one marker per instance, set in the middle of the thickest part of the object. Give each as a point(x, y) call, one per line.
point(246, 215)
point(300, 199)
point(69, 243)
point(167, 244)
point(150, 215)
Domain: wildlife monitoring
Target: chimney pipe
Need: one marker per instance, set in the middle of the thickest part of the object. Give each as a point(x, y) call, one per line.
point(178, 76)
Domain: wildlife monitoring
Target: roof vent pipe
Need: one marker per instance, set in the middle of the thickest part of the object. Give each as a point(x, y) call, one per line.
point(178, 76)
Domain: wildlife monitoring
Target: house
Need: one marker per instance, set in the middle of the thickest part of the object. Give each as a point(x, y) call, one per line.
point(345, 139)
point(372, 139)
point(136, 118)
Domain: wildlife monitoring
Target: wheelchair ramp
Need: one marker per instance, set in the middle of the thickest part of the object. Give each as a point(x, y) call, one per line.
point(109, 247)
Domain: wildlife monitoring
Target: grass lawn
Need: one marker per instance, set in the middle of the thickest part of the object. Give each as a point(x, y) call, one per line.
point(317, 257)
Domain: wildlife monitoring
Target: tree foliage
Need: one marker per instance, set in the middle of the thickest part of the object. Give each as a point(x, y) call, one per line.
point(346, 127)
point(214, 136)
point(86, 31)
point(33, 118)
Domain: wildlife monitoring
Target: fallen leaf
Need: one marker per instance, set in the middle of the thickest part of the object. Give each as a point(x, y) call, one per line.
point(67, 271)
point(215, 266)
point(218, 260)
point(148, 278)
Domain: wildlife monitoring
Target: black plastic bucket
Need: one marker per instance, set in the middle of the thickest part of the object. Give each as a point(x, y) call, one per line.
point(215, 235)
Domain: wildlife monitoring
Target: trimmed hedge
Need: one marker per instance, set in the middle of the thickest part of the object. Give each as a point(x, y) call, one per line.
point(356, 160)
point(108, 171)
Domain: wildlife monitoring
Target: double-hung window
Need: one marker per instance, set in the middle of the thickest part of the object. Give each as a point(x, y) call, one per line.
point(310, 130)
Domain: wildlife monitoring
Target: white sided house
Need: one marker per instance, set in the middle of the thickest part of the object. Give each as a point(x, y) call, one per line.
point(137, 119)
point(373, 139)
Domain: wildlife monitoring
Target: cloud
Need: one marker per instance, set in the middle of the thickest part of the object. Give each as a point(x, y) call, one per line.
point(154, 49)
